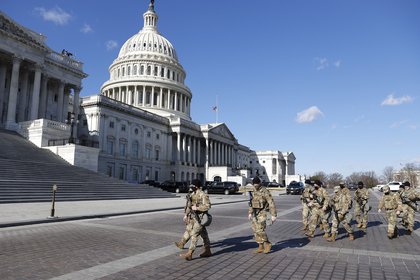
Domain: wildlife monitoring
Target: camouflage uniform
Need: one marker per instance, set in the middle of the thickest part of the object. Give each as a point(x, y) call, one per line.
point(318, 204)
point(306, 211)
point(408, 198)
point(261, 203)
point(341, 204)
point(194, 229)
point(392, 204)
point(361, 209)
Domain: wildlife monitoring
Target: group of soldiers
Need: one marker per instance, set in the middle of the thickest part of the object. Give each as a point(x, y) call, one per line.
point(318, 207)
point(403, 205)
point(261, 208)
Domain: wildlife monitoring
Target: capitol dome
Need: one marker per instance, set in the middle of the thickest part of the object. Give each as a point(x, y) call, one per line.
point(147, 74)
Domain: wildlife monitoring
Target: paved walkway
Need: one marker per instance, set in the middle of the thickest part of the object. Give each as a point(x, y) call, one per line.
point(16, 214)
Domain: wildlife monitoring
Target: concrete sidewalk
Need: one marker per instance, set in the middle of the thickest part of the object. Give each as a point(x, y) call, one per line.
point(16, 214)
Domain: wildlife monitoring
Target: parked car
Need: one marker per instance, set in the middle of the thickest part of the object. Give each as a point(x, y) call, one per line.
point(378, 188)
point(394, 186)
point(177, 187)
point(352, 186)
point(226, 187)
point(295, 188)
point(152, 183)
point(274, 185)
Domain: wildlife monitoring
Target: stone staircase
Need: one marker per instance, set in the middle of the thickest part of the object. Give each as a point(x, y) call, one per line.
point(27, 174)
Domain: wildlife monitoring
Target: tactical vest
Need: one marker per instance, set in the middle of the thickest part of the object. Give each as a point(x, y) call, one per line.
point(258, 200)
point(390, 202)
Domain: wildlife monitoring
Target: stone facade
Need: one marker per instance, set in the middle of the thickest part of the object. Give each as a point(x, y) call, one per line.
point(139, 124)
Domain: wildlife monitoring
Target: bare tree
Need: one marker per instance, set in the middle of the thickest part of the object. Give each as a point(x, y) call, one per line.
point(388, 173)
point(409, 173)
point(334, 179)
point(320, 175)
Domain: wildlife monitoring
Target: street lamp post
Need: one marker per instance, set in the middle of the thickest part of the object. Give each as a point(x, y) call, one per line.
point(71, 139)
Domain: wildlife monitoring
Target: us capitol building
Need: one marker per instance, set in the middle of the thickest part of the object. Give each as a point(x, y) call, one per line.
point(138, 128)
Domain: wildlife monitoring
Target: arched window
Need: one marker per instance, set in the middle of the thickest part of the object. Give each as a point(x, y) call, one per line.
point(149, 70)
point(123, 71)
point(123, 147)
point(128, 70)
point(162, 72)
point(135, 70)
point(142, 70)
point(118, 72)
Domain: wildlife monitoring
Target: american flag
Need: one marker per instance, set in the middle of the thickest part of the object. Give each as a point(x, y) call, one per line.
point(214, 108)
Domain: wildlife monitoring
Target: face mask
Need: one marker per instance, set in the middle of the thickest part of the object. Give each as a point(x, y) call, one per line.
point(360, 187)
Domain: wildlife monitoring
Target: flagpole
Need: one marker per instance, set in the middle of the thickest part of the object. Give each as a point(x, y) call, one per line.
point(217, 110)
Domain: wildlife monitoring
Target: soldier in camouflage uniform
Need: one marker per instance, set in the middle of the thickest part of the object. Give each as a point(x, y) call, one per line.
point(361, 209)
point(261, 202)
point(194, 210)
point(408, 198)
point(318, 204)
point(392, 204)
point(341, 204)
point(305, 197)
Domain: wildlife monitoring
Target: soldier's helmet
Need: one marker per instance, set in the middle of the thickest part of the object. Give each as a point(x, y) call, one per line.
point(360, 184)
point(307, 181)
point(337, 189)
point(386, 189)
point(256, 180)
point(342, 184)
point(318, 183)
point(406, 184)
point(196, 183)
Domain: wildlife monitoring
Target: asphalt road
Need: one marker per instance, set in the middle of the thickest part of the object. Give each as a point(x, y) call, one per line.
point(141, 247)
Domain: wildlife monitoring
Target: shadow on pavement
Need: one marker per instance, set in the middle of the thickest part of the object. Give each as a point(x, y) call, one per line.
point(290, 243)
point(235, 244)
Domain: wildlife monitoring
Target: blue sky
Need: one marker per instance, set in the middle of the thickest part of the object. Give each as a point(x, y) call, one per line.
point(336, 82)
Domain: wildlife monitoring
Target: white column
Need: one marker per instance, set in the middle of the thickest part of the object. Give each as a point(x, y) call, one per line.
point(211, 142)
point(169, 99)
point(194, 151)
point(3, 70)
point(207, 158)
point(175, 100)
point(199, 151)
point(136, 96)
point(35, 94)
point(76, 108)
point(152, 97)
point(184, 148)
point(189, 151)
point(60, 101)
point(65, 105)
point(178, 145)
point(43, 99)
point(161, 98)
point(14, 85)
point(23, 99)
point(144, 96)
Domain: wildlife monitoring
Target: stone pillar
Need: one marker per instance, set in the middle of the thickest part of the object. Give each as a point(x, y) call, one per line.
point(175, 100)
point(60, 101)
point(189, 152)
point(194, 151)
point(144, 96)
point(184, 148)
point(178, 145)
point(44, 97)
point(14, 85)
point(65, 105)
point(207, 158)
point(211, 152)
point(136, 96)
point(168, 104)
point(199, 151)
point(76, 105)
point(3, 71)
point(35, 93)
point(23, 98)
point(161, 98)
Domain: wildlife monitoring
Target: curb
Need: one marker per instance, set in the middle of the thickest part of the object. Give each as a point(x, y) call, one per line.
point(96, 216)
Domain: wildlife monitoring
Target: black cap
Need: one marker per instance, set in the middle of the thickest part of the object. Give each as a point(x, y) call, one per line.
point(256, 180)
point(360, 183)
point(406, 184)
point(307, 181)
point(196, 183)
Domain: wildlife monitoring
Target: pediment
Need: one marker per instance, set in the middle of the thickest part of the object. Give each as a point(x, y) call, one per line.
point(11, 28)
point(223, 131)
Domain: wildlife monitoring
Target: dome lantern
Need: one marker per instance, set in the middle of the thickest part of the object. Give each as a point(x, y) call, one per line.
point(150, 18)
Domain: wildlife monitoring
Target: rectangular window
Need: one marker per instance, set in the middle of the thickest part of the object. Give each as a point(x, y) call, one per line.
point(110, 147)
point(121, 173)
point(122, 149)
point(135, 150)
point(148, 152)
point(156, 175)
point(156, 154)
point(123, 127)
point(111, 124)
